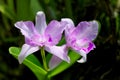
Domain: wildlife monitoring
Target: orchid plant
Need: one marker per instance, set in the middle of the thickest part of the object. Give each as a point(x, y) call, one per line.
point(77, 44)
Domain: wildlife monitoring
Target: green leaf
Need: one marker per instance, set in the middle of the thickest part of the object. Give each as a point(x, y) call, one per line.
point(31, 62)
point(62, 41)
point(64, 65)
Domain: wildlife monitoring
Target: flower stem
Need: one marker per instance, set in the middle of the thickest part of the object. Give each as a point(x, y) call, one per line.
point(44, 59)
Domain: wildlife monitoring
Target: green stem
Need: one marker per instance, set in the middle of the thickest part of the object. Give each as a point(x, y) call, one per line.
point(44, 59)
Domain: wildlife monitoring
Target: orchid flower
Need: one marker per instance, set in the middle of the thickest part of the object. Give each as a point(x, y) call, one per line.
point(41, 36)
point(80, 38)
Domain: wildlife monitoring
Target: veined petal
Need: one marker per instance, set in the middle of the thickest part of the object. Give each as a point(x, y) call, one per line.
point(54, 62)
point(54, 32)
point(40, 22)
point(27, 28)
point(26, 50)
point(59, 51)
point(86, 30)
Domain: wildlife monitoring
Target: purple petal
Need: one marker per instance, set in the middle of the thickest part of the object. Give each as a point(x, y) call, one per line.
point(36, 40)
point(68, 21)
point(90, 47)
point(59, 51)
point(84, 51)
point(69, 28)
point(26, 51)
point(40, 22)
point(27, 28)
point(54, 62)
point(82, 44)
point(54, 32)
point(86, 30)
point(78, 44)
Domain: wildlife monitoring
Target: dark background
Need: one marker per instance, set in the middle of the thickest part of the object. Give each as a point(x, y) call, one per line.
point(103, 62)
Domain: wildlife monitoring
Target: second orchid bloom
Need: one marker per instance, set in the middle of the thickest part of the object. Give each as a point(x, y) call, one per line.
point(41, 35)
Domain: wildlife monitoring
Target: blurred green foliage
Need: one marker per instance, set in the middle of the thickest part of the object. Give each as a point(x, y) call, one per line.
point(103, 63)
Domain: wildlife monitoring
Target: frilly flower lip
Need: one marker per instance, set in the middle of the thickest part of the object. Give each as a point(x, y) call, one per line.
point(41, 35)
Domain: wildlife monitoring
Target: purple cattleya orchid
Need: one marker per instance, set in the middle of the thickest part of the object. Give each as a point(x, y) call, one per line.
point(80, 38)
point(41, 35)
